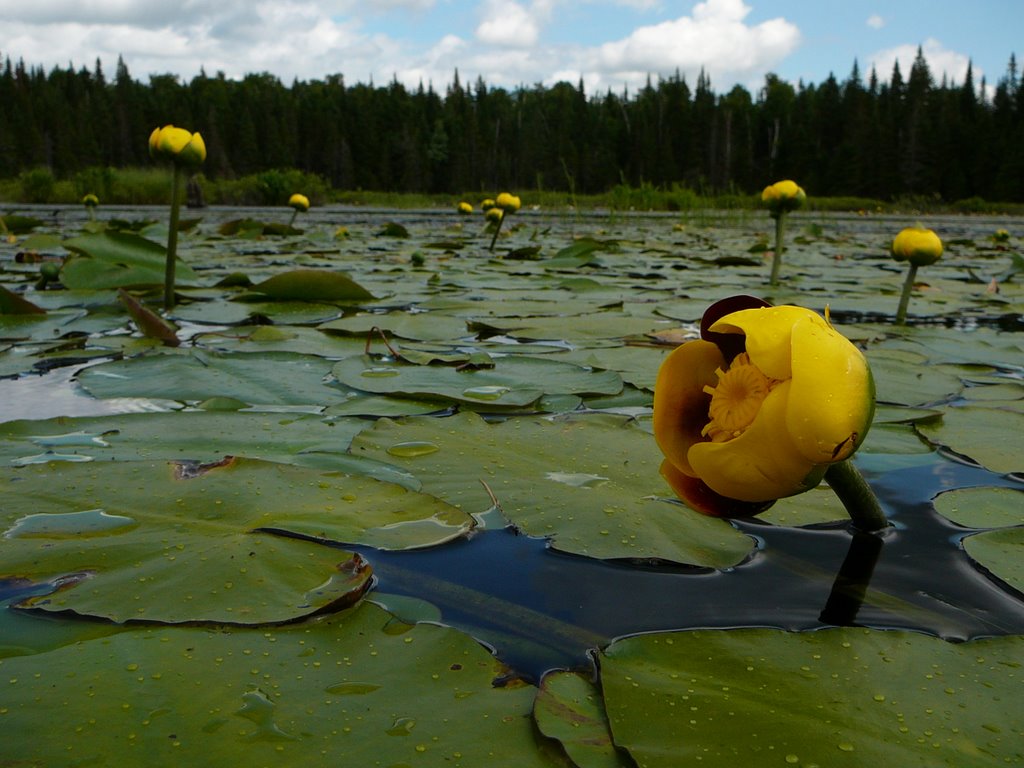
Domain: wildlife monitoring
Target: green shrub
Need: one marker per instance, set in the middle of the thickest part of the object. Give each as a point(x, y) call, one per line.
point(37, 185)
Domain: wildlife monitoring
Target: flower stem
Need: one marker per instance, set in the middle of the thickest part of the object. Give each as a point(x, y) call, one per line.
point(780, 231)
point(497, 229)
point(858, 498)
point(908, 287)
point(291, 221)
point(172, 239)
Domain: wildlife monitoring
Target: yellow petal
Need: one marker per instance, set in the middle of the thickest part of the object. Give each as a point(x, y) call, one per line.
point(680, 403)
point(768, 331)
point(172, 140)
point(832, 399)
point(299, 202)
point(917, 245)
point(194, 152)
point(761, 464)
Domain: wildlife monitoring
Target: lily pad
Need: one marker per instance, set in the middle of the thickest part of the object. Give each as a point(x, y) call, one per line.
point(590, 483)
point(273, 378)
point(513, 381)
point(569, 709)
point(177, 543)
point(355, 689)
point(989, 436)
point(312, 285)
point(836, 697)
point(1001, 552)
point(115, 259)
point(982, 507)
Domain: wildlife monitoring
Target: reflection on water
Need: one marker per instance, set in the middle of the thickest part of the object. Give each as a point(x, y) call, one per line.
point(57, 394)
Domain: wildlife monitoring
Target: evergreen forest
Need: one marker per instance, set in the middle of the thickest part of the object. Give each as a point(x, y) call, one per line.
point(900, 136)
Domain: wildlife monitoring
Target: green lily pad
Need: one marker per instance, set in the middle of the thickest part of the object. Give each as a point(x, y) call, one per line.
point(836, 697)
point(355, 689)
point(312, 285)
point(513, 381)
point(14, 304)
point(273, 378)
point(170, 543)
point(422, 326)
point(989, 436)
point(115, 259)
point(1001, 552)
point(569, 709)
point(590, 483)
point(907, 380)
point(982, 507)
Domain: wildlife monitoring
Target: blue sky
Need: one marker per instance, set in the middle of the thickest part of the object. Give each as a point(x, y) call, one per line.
point(609, 43)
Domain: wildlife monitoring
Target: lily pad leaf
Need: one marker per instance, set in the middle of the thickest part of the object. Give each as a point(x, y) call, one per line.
point(989, 436)
point(272, 378)
point(590, 483)
point(1001, 552)
point(982, 507)
point(312, 285)
point(352, 689)
point(149, 322)
point(836, 697)
point(12, 303)
point(513, 381)
point(178, 542)
point(569, 709)
point(114, 259)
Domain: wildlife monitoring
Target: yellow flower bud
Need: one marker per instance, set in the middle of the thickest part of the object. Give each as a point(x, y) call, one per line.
point(178, 146)
point(917, 245)
point(299, 202)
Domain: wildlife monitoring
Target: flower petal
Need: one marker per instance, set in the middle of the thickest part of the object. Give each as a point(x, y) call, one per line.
point(698, 497)
point(832, 400)
point(761, 464)
point(768, 331)
point(680, 403)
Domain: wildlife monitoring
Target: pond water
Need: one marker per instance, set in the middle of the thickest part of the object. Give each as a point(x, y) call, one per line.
point(527, 370)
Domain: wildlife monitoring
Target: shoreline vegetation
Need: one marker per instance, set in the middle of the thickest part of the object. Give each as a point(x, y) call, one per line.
point(148, 186)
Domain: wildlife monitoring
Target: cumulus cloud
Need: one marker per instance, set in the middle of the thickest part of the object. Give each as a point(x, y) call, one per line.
point(941, 61)
point(714, 37)
point(875, 21)
point(507, 43)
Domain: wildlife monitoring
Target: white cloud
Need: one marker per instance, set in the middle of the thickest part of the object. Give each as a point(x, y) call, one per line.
point(941, 61)
point(714, 37)
point(875, 21)
point(507, 24)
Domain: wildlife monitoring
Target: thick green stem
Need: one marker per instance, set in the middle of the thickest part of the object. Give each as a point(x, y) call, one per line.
point(291, 221)
point(908, 287)
point(780, 231)
point(497, 229)
point(858, 498)
point(172, 239)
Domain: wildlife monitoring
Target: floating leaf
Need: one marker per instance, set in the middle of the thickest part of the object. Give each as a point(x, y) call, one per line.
point(989, 436)
point(569, 708)
point(982, 507)
point(148, 321)
point(513, 381)
point(312, 285)
point(1000, 552)
point(588, 482)
point(13, 304)
point(353, 689)
point(836, 697)
point(184, 547)
point(113, 259)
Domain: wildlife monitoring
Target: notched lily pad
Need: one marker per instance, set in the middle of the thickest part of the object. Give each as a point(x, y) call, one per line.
point(188, 542)
point(312, 285)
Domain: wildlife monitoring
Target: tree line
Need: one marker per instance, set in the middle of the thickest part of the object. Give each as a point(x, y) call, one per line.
point(868, 137)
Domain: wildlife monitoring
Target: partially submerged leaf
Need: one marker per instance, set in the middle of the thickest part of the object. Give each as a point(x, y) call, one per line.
point(150, 324)
point(312, 285)
point(13, 304)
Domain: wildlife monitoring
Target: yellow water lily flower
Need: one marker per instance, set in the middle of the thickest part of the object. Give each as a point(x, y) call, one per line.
point(90, 200)
point(464, 208)
point(494, 214)
point(178, 146)
point(918, 245)
point(299, 202)
point(783, 196)
point(486, 204)
point(759, 407)
point(509, 203)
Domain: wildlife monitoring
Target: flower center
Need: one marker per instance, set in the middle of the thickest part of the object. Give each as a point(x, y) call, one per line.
point(736, 399)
